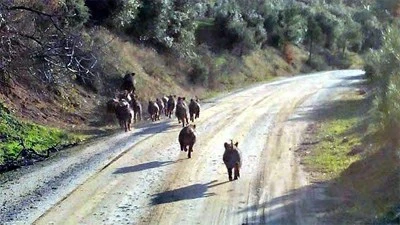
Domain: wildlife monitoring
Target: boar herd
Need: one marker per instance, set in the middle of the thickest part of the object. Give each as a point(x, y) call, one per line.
point(127, 109)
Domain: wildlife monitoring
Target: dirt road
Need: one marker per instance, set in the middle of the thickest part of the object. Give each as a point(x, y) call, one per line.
point(142, 177)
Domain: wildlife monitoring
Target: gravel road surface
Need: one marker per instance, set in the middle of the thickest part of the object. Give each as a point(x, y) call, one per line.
point(142, 177)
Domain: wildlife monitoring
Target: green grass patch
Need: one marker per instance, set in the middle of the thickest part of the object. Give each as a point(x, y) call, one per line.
point(338, 135)
point(36, 137)
point(368, 177)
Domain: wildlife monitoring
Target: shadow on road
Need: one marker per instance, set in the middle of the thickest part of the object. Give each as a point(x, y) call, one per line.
point(184, 193)
point(282, 210)
point(143, 166)
point(153, 128)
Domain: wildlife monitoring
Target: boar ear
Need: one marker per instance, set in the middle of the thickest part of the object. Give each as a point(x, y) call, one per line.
point(194, 126)
point(184, 98)
point(236, 144)
point(226, 145)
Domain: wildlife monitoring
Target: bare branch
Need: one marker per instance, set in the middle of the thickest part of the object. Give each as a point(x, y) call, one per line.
point(29, 37)
point(31, 10)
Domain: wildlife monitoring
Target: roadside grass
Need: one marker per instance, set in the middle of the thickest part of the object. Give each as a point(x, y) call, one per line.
point(361, 172)
point(37, 137)
point(340, 133)
point(372, 184)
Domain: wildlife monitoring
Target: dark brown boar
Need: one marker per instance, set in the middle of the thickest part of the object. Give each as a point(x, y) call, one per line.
point(111, 105)
point(124, 95)
point(194, 109)
point(153, 110)
point(187, 138)
point(232, 159)
point(161, 106)
point(124, 114)
point(128, 82)
point(137, 109)
point(171, 105)
point(165, 101)
point(181, 111)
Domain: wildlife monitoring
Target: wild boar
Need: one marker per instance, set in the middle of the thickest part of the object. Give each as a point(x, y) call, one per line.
point(124, 114)
point(128, 82)
point(194, 109)
point(165, 101)
point(111, 105)
point(181, 111)
point(232, 159)
point(137, 109)
point(153, 110)
point(124, 95)
point(171, 105)
point(161, 106)
point(187, 138)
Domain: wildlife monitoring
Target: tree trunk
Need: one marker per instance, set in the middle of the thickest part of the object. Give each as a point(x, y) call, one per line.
point(309, 56)
point(344, 47)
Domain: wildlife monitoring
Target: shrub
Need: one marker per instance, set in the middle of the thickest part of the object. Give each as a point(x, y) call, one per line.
point(370, 28)
point(77, 13)
point(241, 33)
point(371, 65)
point(199, 73)
point(114, 13)
point(124, 14)
point(387, 81)
point(317, 63)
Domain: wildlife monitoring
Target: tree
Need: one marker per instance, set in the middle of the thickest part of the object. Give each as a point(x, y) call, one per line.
point(283, 23)
point(329, 27)
point(370, 28)
point(41, 40)
point(293, 24)
point(313, 34)
point(351, 36)
point(168, 25)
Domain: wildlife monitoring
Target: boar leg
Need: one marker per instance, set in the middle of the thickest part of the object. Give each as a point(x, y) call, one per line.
point(230, 173)
point(191, 148)
point(237, 174)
